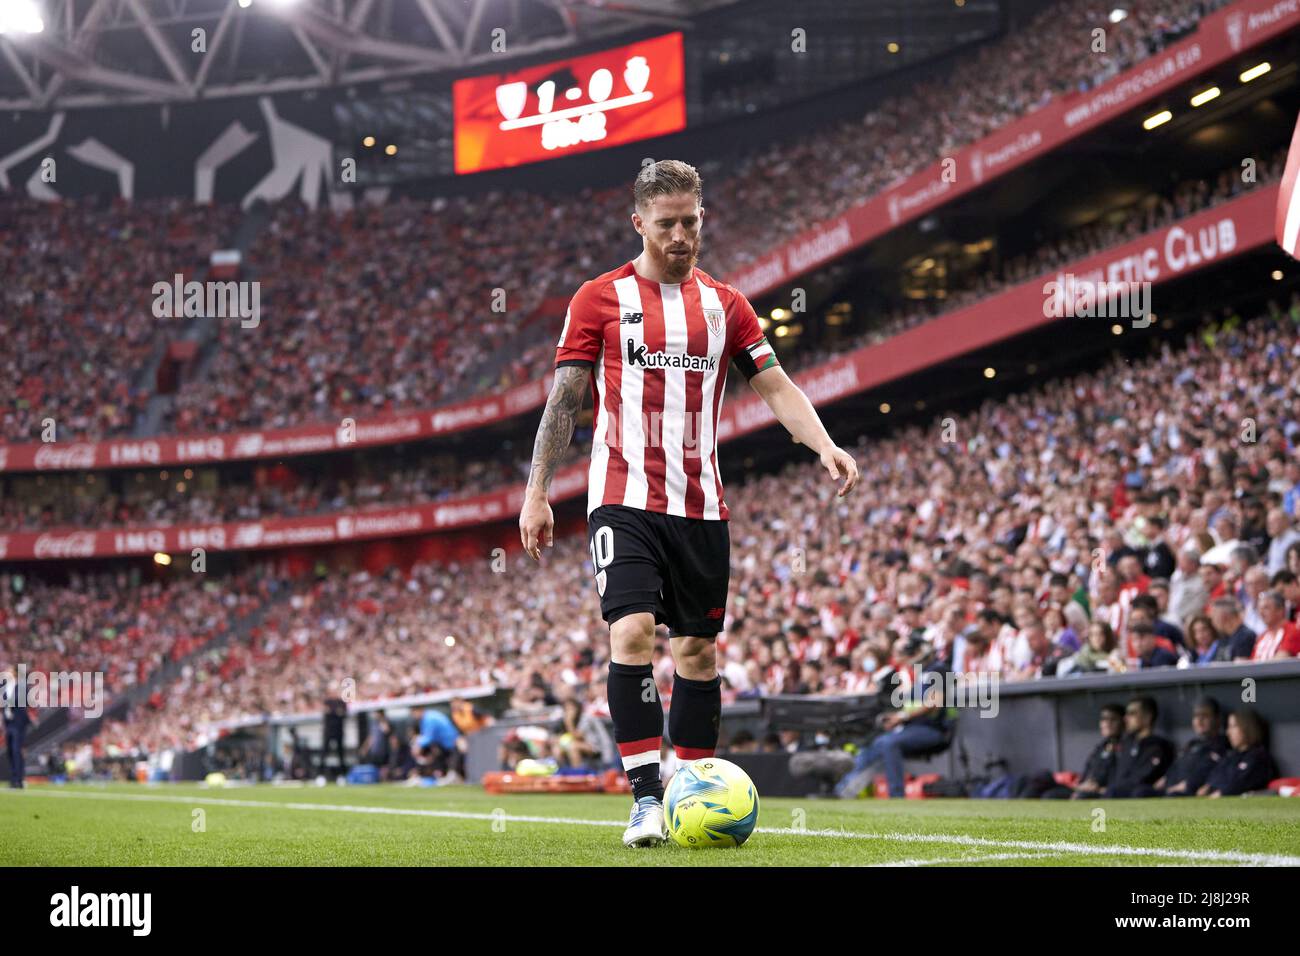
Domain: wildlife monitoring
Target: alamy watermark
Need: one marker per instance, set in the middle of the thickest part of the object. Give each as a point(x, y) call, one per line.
point(1068, 296)
point(947, 689)
point(179, 299)
point(656, 429)
point(83, 690)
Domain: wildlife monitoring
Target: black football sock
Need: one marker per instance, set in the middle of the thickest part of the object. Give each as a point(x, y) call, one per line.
point(693, 717)
point(638, 726)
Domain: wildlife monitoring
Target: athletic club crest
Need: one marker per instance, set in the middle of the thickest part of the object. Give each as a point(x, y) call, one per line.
point(1234, 24)
point(715, 318)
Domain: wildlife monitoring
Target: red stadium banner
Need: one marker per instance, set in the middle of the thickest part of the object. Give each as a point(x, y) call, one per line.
point(275, 443)
point(1288, 200)
point(1205, 239)
point(64, 543)
point(570, 106)
point(1220, 37)
point(1208, 238)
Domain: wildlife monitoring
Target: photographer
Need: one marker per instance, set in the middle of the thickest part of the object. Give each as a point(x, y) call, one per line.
point(921, 724)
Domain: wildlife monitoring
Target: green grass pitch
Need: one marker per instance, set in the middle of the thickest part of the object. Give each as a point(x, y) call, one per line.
point(133, 825)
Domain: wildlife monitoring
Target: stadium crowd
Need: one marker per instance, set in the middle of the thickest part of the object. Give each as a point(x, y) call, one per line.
point(1115, 520)
point(114, 623)
point(76, 280)
point(81, 501)
point(825, 174)
point(426, 275)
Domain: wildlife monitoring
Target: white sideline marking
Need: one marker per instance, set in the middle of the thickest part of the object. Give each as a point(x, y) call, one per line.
point(924, 861)
point(1056, 846)
point(946, 839)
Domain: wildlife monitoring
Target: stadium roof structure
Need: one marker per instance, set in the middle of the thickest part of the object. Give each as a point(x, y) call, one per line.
point(61, 54)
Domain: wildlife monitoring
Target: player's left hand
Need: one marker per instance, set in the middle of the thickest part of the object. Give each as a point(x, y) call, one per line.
point(840, 464)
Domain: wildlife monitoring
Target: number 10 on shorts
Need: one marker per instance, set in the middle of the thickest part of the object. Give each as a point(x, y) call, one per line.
point(602, 553)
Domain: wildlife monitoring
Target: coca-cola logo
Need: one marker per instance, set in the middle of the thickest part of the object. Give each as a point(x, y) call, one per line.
point(79, 544)
point(69, 456)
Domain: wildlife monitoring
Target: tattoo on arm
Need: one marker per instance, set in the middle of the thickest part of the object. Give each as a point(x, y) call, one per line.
point(556, 429)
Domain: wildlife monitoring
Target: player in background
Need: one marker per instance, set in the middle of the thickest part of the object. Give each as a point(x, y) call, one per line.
point(658, 334)
point(15, 722)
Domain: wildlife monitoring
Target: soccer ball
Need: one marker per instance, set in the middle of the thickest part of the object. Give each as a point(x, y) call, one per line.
point(710, 802)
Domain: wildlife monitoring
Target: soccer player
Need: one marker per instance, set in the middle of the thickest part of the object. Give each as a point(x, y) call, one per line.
point(13, 708)
point(658, 334)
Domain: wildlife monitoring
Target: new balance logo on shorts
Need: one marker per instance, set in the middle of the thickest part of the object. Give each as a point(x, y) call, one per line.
point(714, 613)
point(630, 318)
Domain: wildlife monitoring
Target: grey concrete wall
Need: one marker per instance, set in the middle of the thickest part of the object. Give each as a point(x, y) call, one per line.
point(1049, 724)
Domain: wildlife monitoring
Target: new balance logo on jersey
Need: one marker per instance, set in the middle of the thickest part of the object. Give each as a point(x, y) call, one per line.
point(638, 355)
point(656, 400)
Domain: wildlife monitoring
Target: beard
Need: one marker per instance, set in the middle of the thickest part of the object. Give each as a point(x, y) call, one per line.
point(676, 268)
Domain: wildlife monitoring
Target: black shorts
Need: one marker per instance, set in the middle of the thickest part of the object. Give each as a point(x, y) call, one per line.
point(676, 568)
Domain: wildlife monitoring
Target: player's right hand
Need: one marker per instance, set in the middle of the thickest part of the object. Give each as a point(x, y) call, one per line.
point(536, 526)
point(841, 464)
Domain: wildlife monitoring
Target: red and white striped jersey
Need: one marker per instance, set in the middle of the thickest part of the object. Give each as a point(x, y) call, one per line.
point(1285, 637)
point(660, 354)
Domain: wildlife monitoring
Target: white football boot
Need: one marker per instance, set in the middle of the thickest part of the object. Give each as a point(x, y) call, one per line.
point(646, 827)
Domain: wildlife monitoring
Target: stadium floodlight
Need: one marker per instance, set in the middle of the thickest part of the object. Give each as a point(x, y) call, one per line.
point(990, 372)
point(1255, 72)
point(1203, 97)
point(21, 16)
point(162, 558)
point(1277, 275)
point(1118, 15)
point(778, 313)
point(368, 142)
point(1159, 119)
